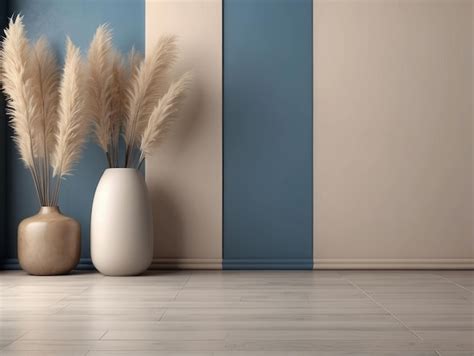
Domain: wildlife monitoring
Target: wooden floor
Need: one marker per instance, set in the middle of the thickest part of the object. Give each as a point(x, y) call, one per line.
point(239, 313)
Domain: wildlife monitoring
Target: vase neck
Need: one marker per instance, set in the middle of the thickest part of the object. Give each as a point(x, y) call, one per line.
point(49, 210)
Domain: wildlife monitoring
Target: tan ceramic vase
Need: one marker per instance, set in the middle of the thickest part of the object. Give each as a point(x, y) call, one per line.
point(49, 243)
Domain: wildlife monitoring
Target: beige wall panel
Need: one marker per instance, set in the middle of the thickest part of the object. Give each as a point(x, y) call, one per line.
point(185, 174)
point(393, 131)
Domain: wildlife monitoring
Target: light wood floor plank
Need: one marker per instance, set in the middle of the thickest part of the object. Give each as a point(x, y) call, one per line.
point(324, 313)
point(43, 353)
point(259, 353)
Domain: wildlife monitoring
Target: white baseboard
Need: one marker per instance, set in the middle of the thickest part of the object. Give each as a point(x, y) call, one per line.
point(216, 264)
point(186, 263)
point(428, 263)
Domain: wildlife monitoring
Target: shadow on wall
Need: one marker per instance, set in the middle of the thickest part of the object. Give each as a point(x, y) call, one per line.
point(167, 217)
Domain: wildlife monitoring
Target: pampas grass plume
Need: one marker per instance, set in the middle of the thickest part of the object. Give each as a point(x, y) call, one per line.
point(21, 104)
point(99, 84)
point(45, 80)
point(73, 123)
point(147, 87)
point(163, 115)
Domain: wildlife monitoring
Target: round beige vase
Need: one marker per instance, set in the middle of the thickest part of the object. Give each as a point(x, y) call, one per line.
point(121, 224)
point(49, 243)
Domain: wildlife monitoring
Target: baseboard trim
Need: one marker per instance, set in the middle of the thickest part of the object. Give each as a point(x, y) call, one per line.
point(10, 264)
point(186, 263)
point(85, 264)
point(427, 263)
point(268, 264)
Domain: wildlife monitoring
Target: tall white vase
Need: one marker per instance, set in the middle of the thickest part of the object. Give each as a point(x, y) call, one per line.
point(121, 224)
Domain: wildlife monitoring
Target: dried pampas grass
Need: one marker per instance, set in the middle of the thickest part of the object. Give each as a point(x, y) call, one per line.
point(125, 97)
point(100, 85)
point(131, 97)
point(72, 125)
point(17, 85)
point(45, 84)
point(30, 80)
point(162, 116)
point(119, 80)
point(147, 86)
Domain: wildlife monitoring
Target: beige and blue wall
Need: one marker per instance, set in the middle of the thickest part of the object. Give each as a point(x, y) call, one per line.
point(320, 134)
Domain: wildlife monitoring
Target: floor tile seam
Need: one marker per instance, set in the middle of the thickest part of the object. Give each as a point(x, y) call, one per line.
point(384, 308)
point(456, 284)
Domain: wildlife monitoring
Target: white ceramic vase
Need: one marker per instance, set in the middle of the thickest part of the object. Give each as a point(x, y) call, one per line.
point(121, 224)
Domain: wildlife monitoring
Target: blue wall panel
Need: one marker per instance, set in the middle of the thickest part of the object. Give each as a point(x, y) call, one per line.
point(78, 19)
point(268, 134)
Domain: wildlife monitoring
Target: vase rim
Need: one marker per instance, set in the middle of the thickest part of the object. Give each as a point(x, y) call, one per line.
point(44, 209)
point(121, 169)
